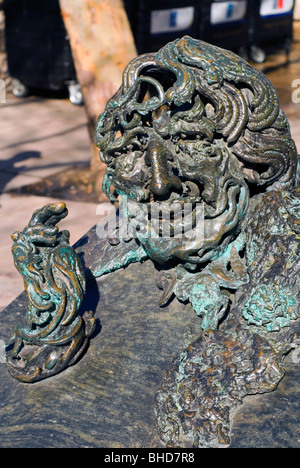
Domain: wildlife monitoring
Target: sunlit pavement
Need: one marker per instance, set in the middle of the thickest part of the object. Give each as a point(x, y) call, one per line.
point(38, 137)
point(41, 136)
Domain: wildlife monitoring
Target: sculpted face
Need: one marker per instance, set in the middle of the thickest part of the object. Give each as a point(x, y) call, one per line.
point(191, 132)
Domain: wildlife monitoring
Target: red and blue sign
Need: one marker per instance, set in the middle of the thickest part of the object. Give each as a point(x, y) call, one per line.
point(278, 4)
point(276, 7)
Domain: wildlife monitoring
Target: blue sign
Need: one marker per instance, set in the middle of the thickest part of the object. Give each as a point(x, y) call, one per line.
point(230, 9)
point(173, 19)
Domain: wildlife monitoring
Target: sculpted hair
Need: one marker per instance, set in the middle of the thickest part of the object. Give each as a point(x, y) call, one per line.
point(229, 98)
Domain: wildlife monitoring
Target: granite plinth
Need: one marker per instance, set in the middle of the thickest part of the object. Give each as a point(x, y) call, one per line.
point(106, 399)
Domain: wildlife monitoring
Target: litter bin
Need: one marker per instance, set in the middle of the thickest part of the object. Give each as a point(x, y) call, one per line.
point(271, 25)
point(38, 49)
point(154, 23)
point(226, 24)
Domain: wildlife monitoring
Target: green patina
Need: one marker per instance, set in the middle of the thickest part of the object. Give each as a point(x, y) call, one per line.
point(209, 302)
point(271, 307)
point(207, 290)
point(137, 254)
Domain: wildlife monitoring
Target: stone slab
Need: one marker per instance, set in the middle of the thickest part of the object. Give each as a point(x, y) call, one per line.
point(271, 420)
point(106, 399)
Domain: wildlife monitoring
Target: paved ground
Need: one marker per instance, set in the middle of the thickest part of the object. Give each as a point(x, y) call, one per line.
point(42, 136)
point(38, 137)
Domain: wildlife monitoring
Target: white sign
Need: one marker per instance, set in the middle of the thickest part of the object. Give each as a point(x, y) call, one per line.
point(275, 7)
point(177, 19)
point(227, 12)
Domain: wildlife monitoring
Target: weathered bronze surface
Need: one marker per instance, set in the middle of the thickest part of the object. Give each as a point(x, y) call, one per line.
point(54, 335)
point(195, 125)
point(245, 356)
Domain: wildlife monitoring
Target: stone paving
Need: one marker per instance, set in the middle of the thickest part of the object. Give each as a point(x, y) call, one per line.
point(38, 137)
point(41, 136)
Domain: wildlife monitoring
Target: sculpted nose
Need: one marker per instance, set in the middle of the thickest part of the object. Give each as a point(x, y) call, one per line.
point(162, 182)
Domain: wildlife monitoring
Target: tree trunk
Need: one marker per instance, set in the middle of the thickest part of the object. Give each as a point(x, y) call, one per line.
point(102, 45)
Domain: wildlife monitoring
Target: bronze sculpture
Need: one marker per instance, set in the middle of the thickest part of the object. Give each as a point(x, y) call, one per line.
point(196, 125)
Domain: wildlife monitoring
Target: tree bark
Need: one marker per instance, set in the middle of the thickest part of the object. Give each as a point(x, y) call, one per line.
point(102, 45)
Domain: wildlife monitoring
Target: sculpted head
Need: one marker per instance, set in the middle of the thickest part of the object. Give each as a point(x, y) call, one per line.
point(194, 124)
